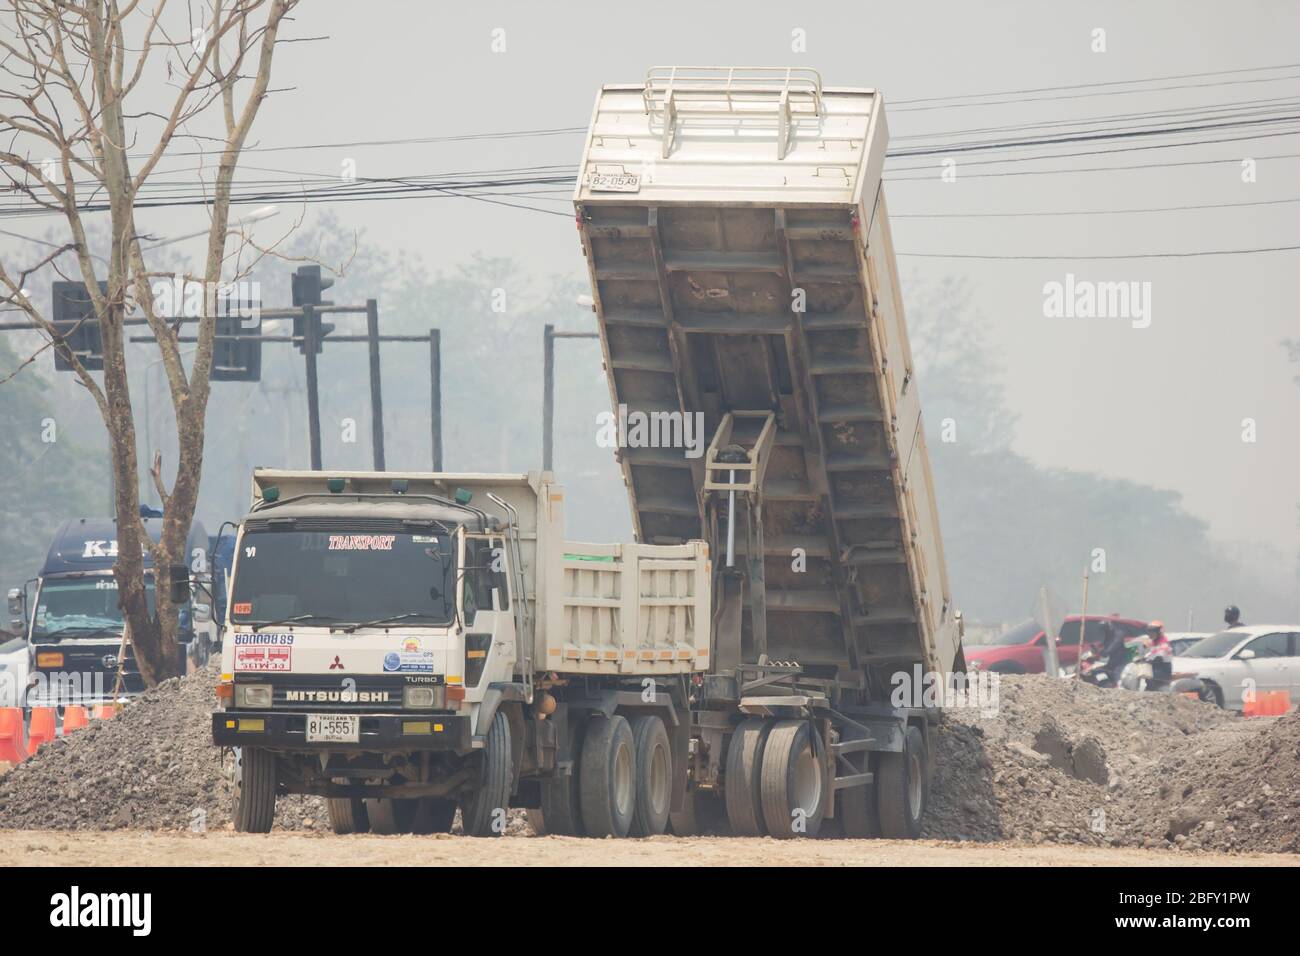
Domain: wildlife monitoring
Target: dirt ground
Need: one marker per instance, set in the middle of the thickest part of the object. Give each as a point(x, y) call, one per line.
point(138, 848)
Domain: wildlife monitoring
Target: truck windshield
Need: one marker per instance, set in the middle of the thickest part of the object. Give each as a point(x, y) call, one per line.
point(79, 606)
point(343, 578)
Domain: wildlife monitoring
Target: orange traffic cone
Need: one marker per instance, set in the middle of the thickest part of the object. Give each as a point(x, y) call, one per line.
point(104, 711)
point(12, 747)
point(1278, 702)
point(74, 718)
point(41, 729)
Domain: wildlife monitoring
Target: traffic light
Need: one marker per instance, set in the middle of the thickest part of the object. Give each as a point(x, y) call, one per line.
point(308, 286)
point(74, 318)
point(234, 361)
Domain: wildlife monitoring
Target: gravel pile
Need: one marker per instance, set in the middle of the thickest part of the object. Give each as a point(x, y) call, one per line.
point(153, 767)
point(1064, 762)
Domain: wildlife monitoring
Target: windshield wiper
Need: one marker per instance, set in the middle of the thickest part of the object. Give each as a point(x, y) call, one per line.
point(293, 620)
point(83, 631)
point(383, 620)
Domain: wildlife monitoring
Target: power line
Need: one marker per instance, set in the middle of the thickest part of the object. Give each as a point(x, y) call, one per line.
point(1087, 169)
point(1086, 212)
point(1078, 86)
point(1136, 255)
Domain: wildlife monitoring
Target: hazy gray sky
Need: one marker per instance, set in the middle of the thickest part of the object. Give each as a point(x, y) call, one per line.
point(1162, 405)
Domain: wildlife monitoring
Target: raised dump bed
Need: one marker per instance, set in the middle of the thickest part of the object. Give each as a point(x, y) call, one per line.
point(739, 249)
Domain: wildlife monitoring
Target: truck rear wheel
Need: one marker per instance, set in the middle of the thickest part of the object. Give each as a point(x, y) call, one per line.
point(793, 785)
point(607, 781)
point(433, 815)
point(483, 812)
point(255, 785)
point(389, 815)
point(902, 790)
point(654, 776)
point(744, 777)
point(347, 815)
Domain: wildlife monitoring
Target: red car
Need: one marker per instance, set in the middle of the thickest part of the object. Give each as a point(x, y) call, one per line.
point(1020, 650)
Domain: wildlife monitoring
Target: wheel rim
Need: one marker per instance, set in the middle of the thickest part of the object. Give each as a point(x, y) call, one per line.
point(659, 780)
point(808, 781)
point(914, 785)
point(623, 781)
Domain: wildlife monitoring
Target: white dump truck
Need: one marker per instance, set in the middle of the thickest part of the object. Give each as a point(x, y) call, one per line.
point(404, 644)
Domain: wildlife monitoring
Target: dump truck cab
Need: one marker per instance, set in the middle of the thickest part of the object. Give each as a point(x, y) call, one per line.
point(371, 635)
point(73, 623)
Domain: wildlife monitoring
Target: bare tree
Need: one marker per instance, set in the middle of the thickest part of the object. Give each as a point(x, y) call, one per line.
point(80, 92)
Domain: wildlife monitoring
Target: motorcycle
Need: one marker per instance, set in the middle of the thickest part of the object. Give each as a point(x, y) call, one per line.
point(1094, 670)
point(1150, 672)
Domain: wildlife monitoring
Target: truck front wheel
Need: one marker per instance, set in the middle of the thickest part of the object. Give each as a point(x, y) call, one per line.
point(483, 812)
point(255, 784)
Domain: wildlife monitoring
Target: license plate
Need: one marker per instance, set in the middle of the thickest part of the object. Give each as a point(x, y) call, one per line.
point(333, 729)
point(614, 182)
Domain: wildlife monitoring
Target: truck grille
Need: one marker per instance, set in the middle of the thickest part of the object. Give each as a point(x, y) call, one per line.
point(310, 692)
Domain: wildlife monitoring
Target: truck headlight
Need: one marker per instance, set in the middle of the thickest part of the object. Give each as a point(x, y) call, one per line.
point(253, 695)
point(420, 696)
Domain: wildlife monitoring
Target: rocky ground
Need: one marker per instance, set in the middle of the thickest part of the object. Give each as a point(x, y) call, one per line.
point(1066, 762)
point(1057, 762)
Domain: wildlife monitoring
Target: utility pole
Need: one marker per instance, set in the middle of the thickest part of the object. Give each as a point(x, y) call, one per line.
point(376, 395)
point(435, 397)
point(1051, 660)
point(313, 391)
point(549, 335)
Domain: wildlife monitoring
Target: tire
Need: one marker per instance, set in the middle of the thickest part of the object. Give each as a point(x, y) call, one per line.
point(1212, 693)
point(561, 810)
point(654, 776)
point(794, 786)
point(389, 815)
point(348, 815)
point(255, 786)
point(744, 777)
point(857, 812)
point(433, 815)
point(903, 788)
point(483, 812)
point(607, 782)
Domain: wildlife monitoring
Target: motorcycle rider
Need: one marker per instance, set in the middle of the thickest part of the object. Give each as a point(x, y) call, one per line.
point(1232, 616)
point(1113, 651)
point(1160, 653)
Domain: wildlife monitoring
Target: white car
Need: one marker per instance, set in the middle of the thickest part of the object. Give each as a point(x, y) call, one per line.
point(14, 656)
point(1263, 657)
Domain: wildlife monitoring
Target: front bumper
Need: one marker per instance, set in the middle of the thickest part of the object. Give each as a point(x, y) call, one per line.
point(379, 732)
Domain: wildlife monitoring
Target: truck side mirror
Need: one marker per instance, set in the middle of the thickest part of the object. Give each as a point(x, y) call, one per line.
point(1246, 654)
point(180, 586)
point(17, 610)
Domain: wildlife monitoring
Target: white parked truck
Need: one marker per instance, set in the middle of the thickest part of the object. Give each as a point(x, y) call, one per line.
point(405, 643)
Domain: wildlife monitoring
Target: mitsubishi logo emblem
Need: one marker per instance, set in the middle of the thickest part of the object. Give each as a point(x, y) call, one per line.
point(337, 665)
